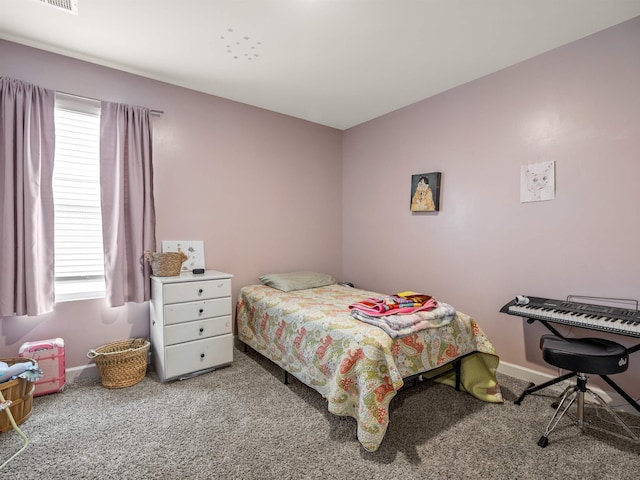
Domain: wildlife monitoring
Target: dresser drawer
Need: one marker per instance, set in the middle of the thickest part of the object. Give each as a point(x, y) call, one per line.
point(190, 291)
point(197, 330)
point(186, 312)
point(191, 357)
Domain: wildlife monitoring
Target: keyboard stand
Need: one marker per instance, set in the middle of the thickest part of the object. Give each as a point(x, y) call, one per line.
point(532, 387)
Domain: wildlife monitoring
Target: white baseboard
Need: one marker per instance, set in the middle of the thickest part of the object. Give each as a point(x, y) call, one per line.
point(614, 400)
point(76, 374)
point(90, 371)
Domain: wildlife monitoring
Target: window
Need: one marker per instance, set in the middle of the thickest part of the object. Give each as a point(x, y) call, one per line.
point(79, 258)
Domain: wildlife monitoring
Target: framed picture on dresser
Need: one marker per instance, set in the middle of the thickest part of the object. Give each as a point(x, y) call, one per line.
point(193, 249)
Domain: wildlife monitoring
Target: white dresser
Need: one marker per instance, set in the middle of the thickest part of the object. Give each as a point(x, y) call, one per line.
point(191, 323)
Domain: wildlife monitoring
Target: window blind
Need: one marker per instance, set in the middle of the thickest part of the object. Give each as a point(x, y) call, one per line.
point(79, 260)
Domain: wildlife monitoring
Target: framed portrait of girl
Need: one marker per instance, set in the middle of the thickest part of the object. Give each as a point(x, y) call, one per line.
point(425, 192)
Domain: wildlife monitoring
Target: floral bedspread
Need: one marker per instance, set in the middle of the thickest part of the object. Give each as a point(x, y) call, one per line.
point(356, 366)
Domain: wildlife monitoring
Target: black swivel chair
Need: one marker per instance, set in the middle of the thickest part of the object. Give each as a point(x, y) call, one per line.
point(583, 356)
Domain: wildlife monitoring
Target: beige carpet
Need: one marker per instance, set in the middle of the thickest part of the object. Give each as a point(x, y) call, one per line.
point(242, 422)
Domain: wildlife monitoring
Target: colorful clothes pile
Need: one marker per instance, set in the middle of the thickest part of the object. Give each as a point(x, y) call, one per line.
point(403, 314)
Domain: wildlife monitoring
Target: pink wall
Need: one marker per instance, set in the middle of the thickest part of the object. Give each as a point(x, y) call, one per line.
point(578, 105)
point(268, 192)
point(261, 189)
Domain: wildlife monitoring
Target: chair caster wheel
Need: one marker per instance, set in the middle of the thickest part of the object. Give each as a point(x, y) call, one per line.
point(543, 442)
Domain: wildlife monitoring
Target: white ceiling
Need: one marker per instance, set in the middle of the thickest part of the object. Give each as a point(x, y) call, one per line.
point(334, 62)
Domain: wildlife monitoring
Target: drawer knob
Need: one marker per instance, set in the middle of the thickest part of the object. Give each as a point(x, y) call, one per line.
point(200, 291)
point(201, 311)
point(201, 329)
point(202, 355)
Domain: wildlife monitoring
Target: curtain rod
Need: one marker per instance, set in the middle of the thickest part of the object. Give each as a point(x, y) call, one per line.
point(156, 113)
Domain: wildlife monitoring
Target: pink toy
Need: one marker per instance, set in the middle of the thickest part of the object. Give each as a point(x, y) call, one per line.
point(50, 357)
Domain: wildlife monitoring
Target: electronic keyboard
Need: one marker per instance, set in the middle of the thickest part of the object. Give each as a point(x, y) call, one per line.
point(621, 321)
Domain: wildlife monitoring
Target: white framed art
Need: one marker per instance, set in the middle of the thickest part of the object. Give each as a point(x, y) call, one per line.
point(193, 249)
point(537, 182)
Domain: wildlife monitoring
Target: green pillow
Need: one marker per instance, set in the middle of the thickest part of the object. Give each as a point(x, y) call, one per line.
point(288, 282)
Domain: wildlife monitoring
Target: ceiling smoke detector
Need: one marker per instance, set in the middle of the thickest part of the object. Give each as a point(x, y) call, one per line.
point(70, 6)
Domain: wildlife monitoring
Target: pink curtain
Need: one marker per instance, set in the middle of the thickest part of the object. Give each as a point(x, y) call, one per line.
point(128, 212)
point(27, 143)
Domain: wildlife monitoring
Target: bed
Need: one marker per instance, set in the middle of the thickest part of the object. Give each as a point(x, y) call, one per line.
point(357, 367)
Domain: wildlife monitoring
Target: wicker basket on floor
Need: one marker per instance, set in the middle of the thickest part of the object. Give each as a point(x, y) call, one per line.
point(165, 264)
point(122, 363)
point(20, 392)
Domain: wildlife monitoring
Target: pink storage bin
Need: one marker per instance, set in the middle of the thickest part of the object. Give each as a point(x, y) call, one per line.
point(50, 357)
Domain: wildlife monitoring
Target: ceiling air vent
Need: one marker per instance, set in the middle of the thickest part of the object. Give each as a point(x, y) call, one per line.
point(70, 6)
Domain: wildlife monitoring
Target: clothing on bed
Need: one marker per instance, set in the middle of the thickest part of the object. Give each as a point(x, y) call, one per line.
point(398, 325)
point(356, 366)
point(402, 303)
